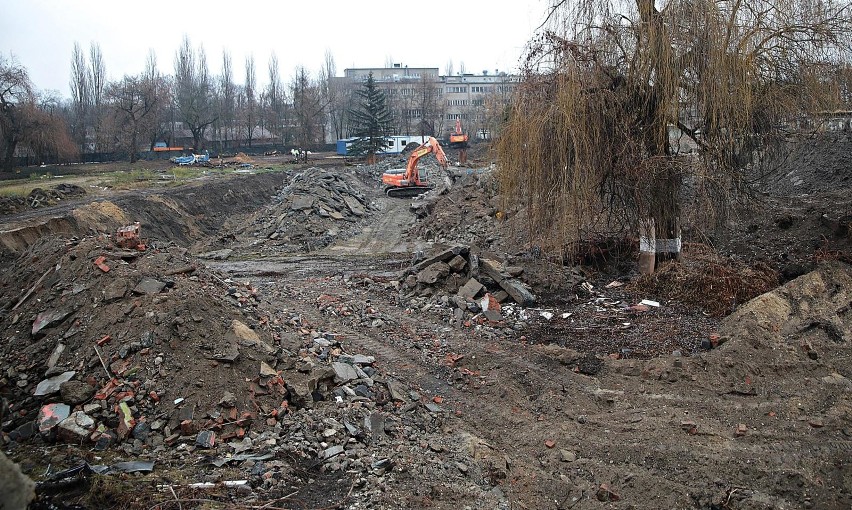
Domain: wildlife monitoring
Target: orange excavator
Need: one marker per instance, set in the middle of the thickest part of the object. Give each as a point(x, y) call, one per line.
point(407, 182)
point(458, 140)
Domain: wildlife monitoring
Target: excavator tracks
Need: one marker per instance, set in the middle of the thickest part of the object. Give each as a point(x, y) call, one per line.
point(406, 192)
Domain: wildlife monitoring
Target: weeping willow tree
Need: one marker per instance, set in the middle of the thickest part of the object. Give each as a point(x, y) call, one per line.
point(614, 91)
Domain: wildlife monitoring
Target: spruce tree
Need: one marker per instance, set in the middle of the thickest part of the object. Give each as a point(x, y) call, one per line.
point(371, 121)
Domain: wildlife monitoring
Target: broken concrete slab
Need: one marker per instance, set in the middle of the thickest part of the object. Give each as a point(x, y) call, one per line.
point(344, 372)
point(470, 289)
point(51, 385)
point(76, 428)
point(433, 273)
point(457, 263)
point(354, 205)
point(518, 291)
point(216, 254)
point(50, 415)
point(301, 202)
point(46, 320)
point(149, 287)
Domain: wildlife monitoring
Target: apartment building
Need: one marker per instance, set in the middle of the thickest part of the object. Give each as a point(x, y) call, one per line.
point(425, 102)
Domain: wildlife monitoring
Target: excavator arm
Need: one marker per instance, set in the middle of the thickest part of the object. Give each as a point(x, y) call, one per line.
point(431, 146)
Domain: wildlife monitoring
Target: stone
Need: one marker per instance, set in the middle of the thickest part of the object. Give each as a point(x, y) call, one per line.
point(149, 287)
point(205, 439)
point(518, 291)
point(76, 428)
point(46, 320)
point(216, 254)
point(567, 455)
point(354, 205)
point(344, 372)
point(332, 452)
point(228, 400)
point(356, 359)
point(397, 392)
point(50, 415)
point(301, 202)
point(248, 337)
point(16, 489)
point(440, 257)
point(457, 263)
point(492, 315)
point(374, 423)
point(470, 289)
point(54, 356)
point(76, 392)
point(23, 432)
point(51, 385)
point(433, 273)
point(266, 370)
point(115, 290)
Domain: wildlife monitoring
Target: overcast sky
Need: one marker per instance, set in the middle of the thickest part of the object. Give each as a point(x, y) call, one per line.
point(481, 34)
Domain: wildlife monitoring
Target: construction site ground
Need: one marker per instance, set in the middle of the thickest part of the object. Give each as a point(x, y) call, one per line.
point(293, 338)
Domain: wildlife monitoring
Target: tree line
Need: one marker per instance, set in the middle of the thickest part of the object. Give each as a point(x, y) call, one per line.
point(137, 111)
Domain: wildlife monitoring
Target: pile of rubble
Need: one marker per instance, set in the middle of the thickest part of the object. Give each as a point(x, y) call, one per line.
point(472, 286)
point(148, 353)
point(317, 207)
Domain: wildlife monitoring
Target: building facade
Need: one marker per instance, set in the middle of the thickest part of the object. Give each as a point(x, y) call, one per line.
point(425, 103)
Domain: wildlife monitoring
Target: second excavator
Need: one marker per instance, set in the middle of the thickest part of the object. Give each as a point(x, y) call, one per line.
point(407, 182)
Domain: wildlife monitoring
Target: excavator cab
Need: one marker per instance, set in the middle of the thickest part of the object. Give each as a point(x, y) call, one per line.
point(458, 140)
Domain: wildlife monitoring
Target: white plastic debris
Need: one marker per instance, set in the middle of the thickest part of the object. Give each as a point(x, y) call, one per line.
point(648, 302)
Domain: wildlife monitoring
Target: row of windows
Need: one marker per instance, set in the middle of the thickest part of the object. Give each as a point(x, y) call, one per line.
point(456, 116)
point(481, 89)
point(456, 102)
point(456, 90)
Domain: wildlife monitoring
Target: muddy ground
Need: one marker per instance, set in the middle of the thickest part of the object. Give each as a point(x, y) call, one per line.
point(295, 339)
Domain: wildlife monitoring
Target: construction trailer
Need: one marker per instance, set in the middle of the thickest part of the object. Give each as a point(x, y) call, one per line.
point(396, 144)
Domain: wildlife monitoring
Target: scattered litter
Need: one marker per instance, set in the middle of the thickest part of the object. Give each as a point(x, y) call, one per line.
point(648, 302)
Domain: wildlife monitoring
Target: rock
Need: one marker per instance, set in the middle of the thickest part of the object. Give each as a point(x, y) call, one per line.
point(76, 428)
point(266, 370)
point(54, 356)
point(149, 287)
point(397, 392)
point(248, 337)
point(518, 291)
point(356, 359)
point(301, 202)
point(433, 273)
point(457, 263)
point(16, 489)
point(228, 400)
point(332, 452)
point(51, 385)
point(492, 315)
point(343, 372)
point(115, 290)
point(205, 439)
point(216, 254)
point(440, 257)
point(374, 423)
point(567, 455)
point(470, 289)
point(50, 415)
point(76, 392)
point(354, 205)
point(606, 494)
point(46, 320)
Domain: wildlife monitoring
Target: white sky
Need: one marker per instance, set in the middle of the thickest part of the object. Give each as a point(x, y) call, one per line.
point(481, 34)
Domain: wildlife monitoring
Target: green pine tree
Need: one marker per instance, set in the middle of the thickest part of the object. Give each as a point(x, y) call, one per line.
point(371, 121)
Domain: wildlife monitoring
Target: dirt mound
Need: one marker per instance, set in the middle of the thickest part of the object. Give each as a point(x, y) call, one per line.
point(817, 163)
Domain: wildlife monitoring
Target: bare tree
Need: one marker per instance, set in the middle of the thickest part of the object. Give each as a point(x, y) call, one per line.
point(609, 82)
point(79, 95)
point(275, 109)
point(308, 108)
point(334, 96)
point(132, 100)
point(193, 91)
point(97, 82)
point(227, 98)
point(156, 126)
point(249, 107)
point(23, 121)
